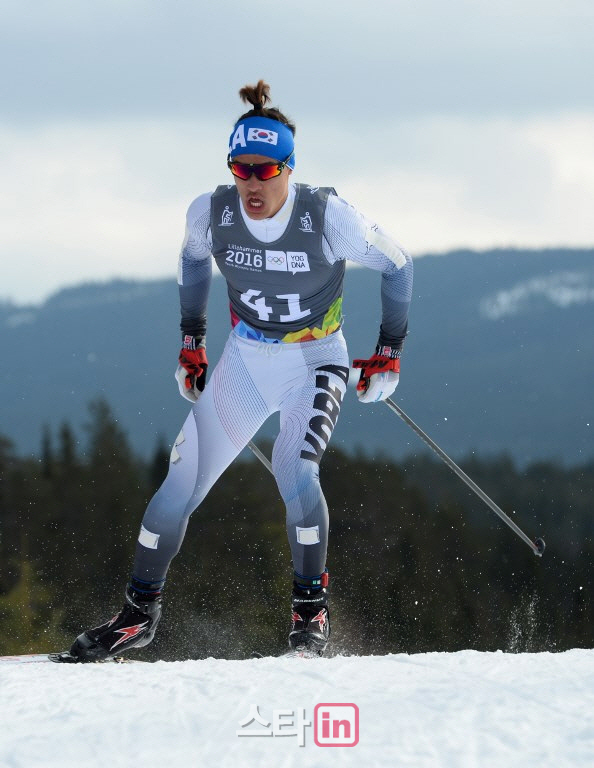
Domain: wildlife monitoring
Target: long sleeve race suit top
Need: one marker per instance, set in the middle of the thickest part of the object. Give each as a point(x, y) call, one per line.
point(262, 280)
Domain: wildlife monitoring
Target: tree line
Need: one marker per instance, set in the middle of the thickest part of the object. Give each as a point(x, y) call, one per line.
point(417, 562)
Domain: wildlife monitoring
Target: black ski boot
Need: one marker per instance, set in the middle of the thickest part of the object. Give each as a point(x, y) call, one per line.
point(133, 627)
point(310, 628)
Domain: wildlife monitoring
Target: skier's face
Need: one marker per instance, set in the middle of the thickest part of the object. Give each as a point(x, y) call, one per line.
point(262, 199)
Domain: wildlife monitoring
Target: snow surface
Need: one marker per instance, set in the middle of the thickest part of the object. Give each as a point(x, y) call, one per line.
point(465, 709)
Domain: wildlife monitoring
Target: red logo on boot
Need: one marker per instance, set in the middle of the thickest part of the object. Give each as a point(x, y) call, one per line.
point(321, 618)
point(127, 633)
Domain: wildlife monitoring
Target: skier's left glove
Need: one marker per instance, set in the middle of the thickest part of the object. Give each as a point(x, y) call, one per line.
point(191, 371)
point(379, 375)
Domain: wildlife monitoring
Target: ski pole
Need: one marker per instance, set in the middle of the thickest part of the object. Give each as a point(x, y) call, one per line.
point(538, 546)
point(258, 453)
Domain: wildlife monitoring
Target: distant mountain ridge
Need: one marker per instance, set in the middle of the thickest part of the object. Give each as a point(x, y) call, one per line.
point(499, 358)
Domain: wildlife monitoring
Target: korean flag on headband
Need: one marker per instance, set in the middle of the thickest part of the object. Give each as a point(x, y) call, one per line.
point(261, 134)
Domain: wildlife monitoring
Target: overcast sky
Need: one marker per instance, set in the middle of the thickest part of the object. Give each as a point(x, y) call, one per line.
point(467, 123)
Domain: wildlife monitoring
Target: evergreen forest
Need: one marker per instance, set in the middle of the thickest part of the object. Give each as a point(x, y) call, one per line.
point(417, 562)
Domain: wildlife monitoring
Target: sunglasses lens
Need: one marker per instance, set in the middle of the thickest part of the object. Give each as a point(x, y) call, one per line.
point(262, 171)
point(266, 171)
point(240, 170)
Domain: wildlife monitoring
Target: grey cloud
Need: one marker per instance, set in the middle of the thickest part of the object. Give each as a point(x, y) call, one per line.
point(344, 60)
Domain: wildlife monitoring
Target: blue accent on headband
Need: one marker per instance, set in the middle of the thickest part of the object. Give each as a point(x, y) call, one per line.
point(262, 136)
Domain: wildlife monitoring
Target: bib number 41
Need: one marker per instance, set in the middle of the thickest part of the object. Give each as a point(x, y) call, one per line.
point(254, 300)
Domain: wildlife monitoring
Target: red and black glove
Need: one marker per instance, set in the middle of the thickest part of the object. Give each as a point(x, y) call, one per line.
point(379, 374)
point(191, 371)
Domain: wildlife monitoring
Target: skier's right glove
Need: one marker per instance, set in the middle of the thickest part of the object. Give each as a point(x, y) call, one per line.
point(191, 371)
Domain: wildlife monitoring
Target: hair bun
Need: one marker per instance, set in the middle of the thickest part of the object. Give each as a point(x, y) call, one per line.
point(256, 95)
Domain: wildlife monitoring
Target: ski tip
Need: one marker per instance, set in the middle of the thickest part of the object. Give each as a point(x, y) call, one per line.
point(65, 657)
point(539, 547)
point(301, 653)
point(295, 653)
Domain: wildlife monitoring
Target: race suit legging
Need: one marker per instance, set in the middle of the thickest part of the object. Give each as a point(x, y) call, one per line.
point(305, 382)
